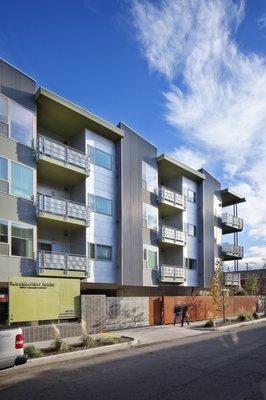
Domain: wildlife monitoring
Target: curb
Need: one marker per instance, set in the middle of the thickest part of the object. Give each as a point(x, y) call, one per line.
point(33, 362)
point(229, 327)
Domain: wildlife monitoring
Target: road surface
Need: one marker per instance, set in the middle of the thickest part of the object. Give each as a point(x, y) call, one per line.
point(217, 366)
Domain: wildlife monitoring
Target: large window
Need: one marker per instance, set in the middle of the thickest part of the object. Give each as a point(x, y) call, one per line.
point(150, 216)
point(100, 158)
point(21, 240)
point(21, 180)
point(100, 252)
point(3, 231)
point(149, 178)
point(3, 109)
point(100, 204)
point(21, 124)
point(3, 169)
point(150, 256)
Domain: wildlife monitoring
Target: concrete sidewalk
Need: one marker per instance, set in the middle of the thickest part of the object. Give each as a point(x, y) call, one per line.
point(159, 333)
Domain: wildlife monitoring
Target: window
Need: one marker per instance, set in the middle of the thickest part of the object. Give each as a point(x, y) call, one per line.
point(21, 124)
point(100, 204)
point(149, 178)
point(3, 109)
point(43, 246)
point(100, 158)
point(100, 252)
point(191, 263)
point(150, 216)
point(191, 230)
point(3, 169)
point(21, 240)
point(150, 256)
point(3, 232)
point(21, 180)
point(191, 196)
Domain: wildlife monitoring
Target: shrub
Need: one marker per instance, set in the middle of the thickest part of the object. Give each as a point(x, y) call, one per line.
point(244, 317)
point(32, 352)
point(105, 341)
point(209, 323)
point(61, 346)
point(87, 341)
point(240, 292)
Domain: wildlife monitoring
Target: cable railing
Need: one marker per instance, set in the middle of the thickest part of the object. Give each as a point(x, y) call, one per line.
point(232, 250)
point(231, 220)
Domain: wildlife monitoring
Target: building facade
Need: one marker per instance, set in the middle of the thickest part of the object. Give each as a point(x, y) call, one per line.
point(81, 198)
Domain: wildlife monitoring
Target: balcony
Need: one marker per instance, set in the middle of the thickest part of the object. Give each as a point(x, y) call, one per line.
point(169, 199)
point(171, 274)
point(231, 224)
point(61, 163)
point(62, 265)
point(172, 236)
point(61, 211)
point(231, 252)
point(232, 279)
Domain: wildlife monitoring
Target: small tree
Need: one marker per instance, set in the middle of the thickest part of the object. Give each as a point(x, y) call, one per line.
point(252, 285)
point(218, 290)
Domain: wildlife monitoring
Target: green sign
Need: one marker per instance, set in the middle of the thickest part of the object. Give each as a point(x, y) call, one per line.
point(40, 299)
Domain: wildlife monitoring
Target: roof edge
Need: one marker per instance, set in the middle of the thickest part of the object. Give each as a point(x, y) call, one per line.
point(197, 174)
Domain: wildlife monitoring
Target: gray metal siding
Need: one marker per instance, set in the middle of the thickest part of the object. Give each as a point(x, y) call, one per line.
point(208, 250)
point(17, 86)
point(133, 151)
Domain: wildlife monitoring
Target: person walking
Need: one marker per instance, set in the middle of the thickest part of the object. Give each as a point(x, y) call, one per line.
point(185, 315)
point(177, 312)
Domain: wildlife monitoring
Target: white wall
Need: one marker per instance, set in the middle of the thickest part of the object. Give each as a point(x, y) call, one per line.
point(190, 215)
point(102, 182)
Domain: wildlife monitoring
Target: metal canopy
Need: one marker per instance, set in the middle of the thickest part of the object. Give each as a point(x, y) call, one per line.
point(229, 198)
point(170, 168)
point(65, 118)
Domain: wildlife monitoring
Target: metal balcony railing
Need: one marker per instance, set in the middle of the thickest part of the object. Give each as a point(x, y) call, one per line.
point(170, 196)
point(232, 279)
point(229, 249)
point(230, 220)
point(58, 151)
point(62, 207)
point(171, 271)
point(62, 261)
point(172, 235)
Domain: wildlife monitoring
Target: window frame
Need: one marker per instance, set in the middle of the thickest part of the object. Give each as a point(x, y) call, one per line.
point(10, 181)
point(146, 249)
point(90, 196)
point(145, 216)
point(145, 184)
point(195, 261)
point(194, 201)
point(7, 168)
point(194, 227)
point(9, 119)
point(93, 161)
point(9, 235)
point(96, 257)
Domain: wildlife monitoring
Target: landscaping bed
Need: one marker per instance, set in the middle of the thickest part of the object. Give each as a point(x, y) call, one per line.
point(242, 318)
point(87, 342)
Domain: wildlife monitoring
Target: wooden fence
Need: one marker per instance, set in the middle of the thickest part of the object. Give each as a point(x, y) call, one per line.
point(200, 307)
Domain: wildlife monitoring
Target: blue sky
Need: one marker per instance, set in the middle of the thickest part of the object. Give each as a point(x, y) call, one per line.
point(192, 80)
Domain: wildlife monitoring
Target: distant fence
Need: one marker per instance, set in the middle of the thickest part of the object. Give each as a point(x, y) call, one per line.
point(202, 307)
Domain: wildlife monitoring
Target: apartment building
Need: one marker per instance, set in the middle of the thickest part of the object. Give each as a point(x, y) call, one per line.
point(81, 198)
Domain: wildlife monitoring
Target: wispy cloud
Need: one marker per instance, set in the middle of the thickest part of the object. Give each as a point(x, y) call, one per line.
point(262, 21)
point(190, 157)
point(221, 103)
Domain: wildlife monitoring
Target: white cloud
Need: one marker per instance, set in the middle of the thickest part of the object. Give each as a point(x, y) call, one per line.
point(189, 157)
point(220, 100)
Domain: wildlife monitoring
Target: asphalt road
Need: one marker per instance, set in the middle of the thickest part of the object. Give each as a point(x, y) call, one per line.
point(208, 367)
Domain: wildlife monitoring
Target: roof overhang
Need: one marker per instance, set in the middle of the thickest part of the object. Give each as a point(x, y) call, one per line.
point(230, 198)
point(65, 118)
point(169, 168)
